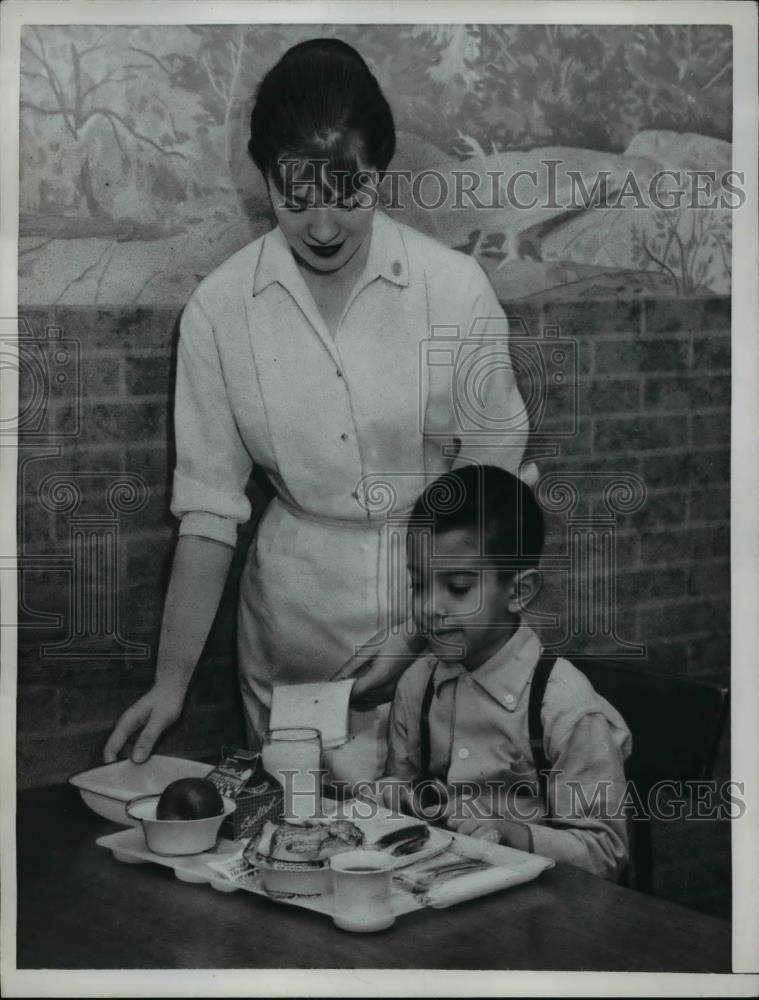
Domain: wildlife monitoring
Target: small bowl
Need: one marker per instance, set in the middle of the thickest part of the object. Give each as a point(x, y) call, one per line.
point(107, 789)
point(176, 837)
point(293, 878)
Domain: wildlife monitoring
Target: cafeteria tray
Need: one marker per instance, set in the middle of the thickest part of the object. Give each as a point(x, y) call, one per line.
point(224, 869)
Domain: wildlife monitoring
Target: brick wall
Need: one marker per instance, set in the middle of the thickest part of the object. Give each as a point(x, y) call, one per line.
point(116, 427)
point(652, 398)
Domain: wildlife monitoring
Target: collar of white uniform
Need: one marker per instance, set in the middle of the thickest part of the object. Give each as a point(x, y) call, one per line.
point(387, 258)
point(505, 675)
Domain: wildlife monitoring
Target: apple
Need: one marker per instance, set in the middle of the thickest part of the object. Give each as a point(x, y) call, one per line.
point(189, 798)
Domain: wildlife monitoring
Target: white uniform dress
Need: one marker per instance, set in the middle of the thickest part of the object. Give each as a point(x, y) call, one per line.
point(348, 430)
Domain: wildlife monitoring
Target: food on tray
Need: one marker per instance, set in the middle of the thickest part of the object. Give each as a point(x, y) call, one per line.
point(240, 776)
point(406, 840)
point(304, 843)
point(239, 771)
point(189, 798)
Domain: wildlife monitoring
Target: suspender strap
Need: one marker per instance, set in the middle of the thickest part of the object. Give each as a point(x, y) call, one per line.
point(425, 751)
point(535, 724)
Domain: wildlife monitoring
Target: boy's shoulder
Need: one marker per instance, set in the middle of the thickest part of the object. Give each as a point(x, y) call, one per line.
point(569, 696)
point(569, 684)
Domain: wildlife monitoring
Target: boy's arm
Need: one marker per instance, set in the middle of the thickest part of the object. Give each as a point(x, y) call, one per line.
point(378, 665)
point(586, 790)
point(394, 789)
point(402, 738)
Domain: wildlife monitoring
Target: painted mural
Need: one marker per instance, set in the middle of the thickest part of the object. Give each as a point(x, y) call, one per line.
point(136, 182)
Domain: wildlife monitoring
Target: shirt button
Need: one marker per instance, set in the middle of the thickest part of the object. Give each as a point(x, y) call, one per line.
point(339, 373)
point(509, 699)
point(397, 267)
point(463, 753)
point(343, 437)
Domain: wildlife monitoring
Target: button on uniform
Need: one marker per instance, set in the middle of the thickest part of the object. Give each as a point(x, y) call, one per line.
point(463, 753)
point(343, 437)
point(509, 699)
point(397, 267)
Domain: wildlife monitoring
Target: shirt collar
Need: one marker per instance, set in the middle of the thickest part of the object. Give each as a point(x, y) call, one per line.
point(387, 258)
point(506, 674)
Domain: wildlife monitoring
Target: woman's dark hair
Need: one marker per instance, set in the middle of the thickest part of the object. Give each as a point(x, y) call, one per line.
point(321, 105)
point(490, 500)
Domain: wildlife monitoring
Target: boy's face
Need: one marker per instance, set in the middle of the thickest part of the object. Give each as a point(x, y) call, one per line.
point(459, 601)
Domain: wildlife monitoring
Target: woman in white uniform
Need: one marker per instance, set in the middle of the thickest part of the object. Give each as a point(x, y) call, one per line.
point(350, 358)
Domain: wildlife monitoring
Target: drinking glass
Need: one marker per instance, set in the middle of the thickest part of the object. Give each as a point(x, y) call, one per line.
point(293, 757)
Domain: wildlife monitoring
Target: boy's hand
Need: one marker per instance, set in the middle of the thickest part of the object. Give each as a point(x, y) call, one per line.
point(399, 795)
point(499, 831)
point(391, 793)
point(377, 666)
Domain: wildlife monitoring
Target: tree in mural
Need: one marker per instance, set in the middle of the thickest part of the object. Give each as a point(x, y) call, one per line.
point(683, 245)
point(518, 86)
point(683, 77)
point(79, 97)
point(219, 68)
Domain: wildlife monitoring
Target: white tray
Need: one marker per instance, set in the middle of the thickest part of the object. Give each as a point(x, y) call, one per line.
point(511, 867)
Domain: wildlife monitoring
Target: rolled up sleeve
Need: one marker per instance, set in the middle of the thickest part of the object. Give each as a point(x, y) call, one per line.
point(495, 424)
point(213, 464)
point(586, 792)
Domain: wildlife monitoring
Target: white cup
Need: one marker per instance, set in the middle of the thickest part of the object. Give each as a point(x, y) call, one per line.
point(293, 757)
point(361, 890)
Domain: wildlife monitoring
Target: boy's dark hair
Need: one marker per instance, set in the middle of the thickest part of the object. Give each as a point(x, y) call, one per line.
point(497, 503)
point(321, 105)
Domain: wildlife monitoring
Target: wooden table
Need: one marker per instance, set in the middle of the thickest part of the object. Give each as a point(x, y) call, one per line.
point(81, 909)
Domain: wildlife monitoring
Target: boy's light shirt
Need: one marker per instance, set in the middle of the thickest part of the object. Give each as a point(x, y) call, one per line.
point(479, 733)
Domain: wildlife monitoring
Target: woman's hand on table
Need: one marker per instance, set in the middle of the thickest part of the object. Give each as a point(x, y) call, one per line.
point(198, 575)
point(149, 716)
point(378, 665)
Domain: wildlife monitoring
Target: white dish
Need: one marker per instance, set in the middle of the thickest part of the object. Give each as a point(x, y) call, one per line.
point(176, 837)
point(384, 822)
point(107, 789)
point(280, 878)
point(283, 875)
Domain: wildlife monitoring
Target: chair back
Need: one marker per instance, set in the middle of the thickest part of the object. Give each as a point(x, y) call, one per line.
point(676, 723)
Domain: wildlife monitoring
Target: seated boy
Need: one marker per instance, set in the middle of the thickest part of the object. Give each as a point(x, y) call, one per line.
point(460, 712)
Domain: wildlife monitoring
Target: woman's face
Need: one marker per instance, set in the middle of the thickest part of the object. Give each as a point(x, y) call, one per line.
point(325, 231)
